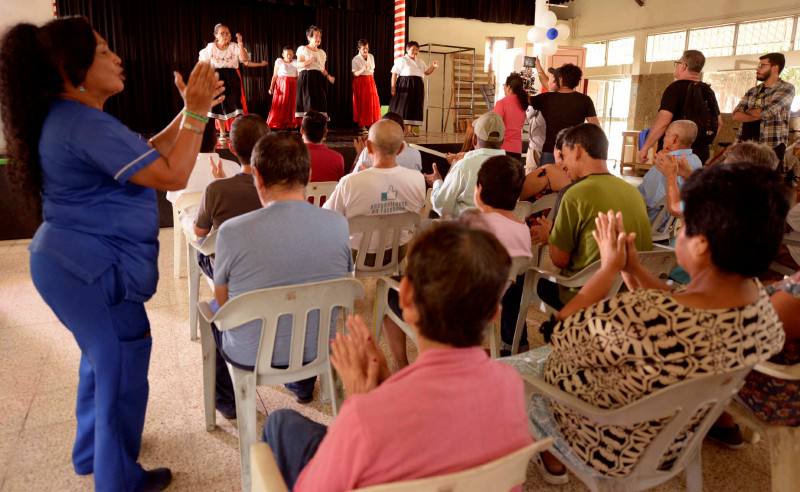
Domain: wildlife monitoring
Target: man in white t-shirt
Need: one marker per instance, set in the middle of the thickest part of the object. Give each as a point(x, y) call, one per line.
point(408, 157)
point(385, 188)
point(455, 193)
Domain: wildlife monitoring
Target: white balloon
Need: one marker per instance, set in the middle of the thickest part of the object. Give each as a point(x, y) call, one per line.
point(537, 34)
point(548, 49)
point(563, 31)
point(549, 20)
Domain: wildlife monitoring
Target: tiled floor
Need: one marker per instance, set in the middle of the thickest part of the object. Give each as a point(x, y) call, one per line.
point(39, 379)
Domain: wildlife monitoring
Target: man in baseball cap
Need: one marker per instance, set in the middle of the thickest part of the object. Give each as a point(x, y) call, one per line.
point(454, 194)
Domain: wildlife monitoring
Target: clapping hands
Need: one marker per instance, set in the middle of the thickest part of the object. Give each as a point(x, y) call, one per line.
point(617, 249)
point(358, 360)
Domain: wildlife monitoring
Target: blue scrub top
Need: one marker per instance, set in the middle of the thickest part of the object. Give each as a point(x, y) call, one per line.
point(94, 218)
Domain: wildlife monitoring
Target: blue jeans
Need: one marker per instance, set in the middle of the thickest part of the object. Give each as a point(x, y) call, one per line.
point(547, 158)
point(114, 337)
point(294, 440)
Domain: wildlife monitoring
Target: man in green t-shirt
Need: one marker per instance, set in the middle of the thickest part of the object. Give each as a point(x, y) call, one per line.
point(594, 190)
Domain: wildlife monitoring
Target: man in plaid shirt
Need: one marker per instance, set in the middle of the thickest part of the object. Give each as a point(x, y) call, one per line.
point(764, 109)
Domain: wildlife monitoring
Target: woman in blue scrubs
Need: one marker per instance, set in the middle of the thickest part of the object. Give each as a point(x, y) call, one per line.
point(93, 260)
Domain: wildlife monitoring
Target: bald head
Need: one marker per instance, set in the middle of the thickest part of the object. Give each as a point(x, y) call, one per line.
point(385, 138)
point(685, 131)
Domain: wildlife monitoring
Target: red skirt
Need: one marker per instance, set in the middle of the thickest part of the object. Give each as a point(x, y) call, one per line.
point(281, 113)
point(366, 105)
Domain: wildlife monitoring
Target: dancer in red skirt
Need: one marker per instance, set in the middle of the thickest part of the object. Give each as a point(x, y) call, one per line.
point(366, 104)
point(283, 89)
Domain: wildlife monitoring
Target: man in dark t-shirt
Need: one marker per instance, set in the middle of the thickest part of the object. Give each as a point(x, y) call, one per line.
point(236, 195)
point(563, 108)
point(673, 100)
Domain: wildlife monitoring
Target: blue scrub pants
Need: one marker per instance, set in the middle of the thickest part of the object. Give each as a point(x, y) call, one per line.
point(114, 337)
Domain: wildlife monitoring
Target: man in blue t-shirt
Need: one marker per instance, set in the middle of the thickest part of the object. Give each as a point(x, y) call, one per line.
point(288, 241)
point(678, 142)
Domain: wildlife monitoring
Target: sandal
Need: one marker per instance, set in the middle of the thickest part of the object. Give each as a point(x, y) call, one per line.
point(547, 475)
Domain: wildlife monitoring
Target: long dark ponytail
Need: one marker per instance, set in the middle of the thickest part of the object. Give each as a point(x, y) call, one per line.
point(32, 61)
point(515, 84)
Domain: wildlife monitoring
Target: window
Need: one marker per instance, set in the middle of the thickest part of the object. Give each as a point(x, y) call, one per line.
point(620, 51)
point(492, 49)
point(713, 41)
point(595, 54)
point(764, 36)
point(665, 46)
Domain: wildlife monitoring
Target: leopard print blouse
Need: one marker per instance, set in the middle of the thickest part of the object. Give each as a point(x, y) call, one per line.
point(621, 349)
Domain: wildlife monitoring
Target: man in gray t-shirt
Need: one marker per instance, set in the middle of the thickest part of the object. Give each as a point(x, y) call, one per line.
point(288, 241)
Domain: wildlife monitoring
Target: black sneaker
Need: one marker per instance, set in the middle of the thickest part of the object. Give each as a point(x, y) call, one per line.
point(156, 480)
point(730, 437)
point(227, 410)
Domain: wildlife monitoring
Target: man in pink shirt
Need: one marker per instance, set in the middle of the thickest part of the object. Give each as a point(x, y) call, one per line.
point(452, 409)
point(326, 164)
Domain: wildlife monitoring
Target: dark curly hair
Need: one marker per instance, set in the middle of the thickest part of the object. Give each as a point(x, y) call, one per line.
point(741, 209)
point(458, 275)
point(32, 60)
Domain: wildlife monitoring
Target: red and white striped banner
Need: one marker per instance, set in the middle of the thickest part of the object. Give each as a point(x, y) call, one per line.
point(399, 28)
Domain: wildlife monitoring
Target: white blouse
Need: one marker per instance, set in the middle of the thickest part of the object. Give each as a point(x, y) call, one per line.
point(407, 67)
point(283, 69)
point(319, 58)
point(359, 63)
point(227, 58)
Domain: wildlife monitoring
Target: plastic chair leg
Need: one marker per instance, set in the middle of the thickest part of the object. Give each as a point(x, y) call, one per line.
point(177, 244)
point(694, 473)
point(381, 300)
point(329, 388)
point(209, 374)
point(194, 296)
point(244, 384)
point(525, 302)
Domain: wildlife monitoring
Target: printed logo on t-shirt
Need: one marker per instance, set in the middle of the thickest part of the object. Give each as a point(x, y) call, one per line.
point(389, 203)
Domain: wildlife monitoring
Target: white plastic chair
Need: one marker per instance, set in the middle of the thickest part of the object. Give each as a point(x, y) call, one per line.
point(660, 261)
point(519, 264)
point(663, 225)
point(207, 247)
point(383, 230)
point(318, 193)
point(525, 209)
point(679, 403)
point(501, 474)
point(784, 442)
point(426, 209)
point(179, 237)
point(268, 305)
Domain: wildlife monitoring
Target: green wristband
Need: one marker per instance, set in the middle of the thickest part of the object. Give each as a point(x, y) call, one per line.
point(196, 116)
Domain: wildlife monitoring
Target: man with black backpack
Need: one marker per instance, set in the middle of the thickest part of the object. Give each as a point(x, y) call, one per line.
point(687, 98)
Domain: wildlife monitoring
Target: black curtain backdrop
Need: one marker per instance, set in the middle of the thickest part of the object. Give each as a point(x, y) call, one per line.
point(507, 11)
point(153, 38)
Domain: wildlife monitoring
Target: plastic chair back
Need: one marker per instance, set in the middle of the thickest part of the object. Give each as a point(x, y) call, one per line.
point(501, 474)
point(660, 261)
point(663, 225)
point(318, 193)
point(385, 231)
point(525, 209)
point(679, 404)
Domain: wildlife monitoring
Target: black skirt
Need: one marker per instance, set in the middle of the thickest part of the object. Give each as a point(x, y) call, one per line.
point(231, 106)
point(312, 87)
point(409, 99)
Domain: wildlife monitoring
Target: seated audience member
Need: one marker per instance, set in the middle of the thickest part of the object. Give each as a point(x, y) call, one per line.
point(569, 236)
point(326, 164)
point(288, 241)
point(452, 409)
point(455, 193)
point(773, 400)
point(226, 198)
point(678, 141)
point(408, 157)
point(548, 178)
point(721, 321)
point(208, 167)
point(499, 182)
point(674, 168)
point(384, 188)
